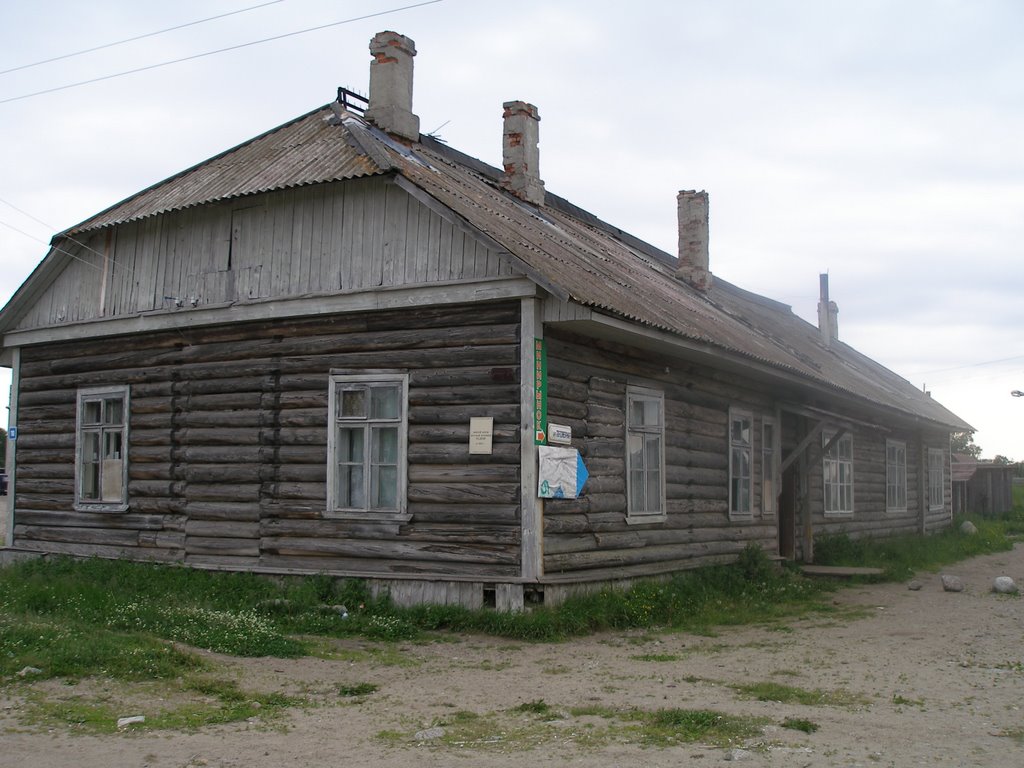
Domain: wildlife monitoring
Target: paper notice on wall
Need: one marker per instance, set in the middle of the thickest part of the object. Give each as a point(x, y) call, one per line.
point(561, 473)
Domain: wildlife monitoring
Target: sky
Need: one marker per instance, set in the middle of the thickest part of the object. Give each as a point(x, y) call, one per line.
point(880, 141)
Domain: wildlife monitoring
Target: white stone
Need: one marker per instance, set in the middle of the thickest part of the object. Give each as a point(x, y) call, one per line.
point(124, 722)
point(968, 528)
point(952, 583)
point(430, 734)
point(1004, 585)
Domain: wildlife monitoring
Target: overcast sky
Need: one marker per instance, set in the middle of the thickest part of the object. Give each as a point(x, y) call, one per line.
point(880, 141)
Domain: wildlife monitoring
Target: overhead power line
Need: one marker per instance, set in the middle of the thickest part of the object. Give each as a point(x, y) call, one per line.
point(219, 50)
point(137, 37)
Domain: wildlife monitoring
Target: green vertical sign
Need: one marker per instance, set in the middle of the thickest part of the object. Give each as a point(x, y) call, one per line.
point(540, 392)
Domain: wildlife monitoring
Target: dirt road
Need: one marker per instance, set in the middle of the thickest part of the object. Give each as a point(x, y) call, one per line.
point(908, 678)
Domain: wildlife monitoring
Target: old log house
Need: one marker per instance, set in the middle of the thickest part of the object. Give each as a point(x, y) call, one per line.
point(272, 360)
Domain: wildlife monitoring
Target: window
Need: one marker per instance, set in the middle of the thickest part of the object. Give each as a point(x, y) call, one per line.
point(645, 454)
point(838, 471)
point(740, 462)
point(769, 492)
point(895, 476)
point(366, 445)
point(101, 441)
point(936, 478)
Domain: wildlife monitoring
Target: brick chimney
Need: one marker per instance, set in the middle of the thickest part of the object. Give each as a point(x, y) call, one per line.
point(391, 85)
point(520, 154)
point(828, 314)
point(693, 239)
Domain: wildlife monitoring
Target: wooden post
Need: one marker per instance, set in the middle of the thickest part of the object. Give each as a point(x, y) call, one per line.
point(7, 523)
point(531, 507)
point(922, 482)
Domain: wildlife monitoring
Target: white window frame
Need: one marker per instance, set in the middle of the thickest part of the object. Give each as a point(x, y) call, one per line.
point(340, 382)
point(936, 479)
point(895, 476)
point(82, 429)
point(840, 487)
point(738, 449)
point(769, 465)
point(649, 513)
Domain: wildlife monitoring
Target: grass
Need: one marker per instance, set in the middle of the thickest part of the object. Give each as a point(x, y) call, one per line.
point(788, 694)
point(133, 623)
point(901, 556)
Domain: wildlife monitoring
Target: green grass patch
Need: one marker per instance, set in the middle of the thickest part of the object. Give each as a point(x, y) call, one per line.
point(356, 690)
point(660, 657)
point(182, 704)
point(800, 724)
point(901, 556)
point(788, 694)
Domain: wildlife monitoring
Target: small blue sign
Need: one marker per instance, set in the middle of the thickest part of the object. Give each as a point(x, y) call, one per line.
point(12, 433)
point(581, 474)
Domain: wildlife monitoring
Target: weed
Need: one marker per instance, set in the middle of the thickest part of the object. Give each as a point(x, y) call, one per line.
point(357, 689)
point(800, 724)
point(656, 657)
point(787, 694)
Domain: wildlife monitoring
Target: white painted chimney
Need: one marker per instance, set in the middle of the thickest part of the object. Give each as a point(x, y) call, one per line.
point(828, 314)
point(391, 85)
point(693, 239)
point(520, 154)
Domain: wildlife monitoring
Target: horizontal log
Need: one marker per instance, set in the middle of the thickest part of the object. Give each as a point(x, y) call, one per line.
point(231, 492)
point(361, 567)
point(464, 376)
point(330, 528)
point(303, 491)
point(74, 519)
point(459, 433)
point(59, 471)
point(147, 554)
point(391, 550)
point(67, 534)
point(438, 453)
point(573, 561)
point(465, 395)
point(46, 486)
point(463, 473)
point(466, 514)
point(239, 511)
point(464, 493)
point(232, 529)
point(305, 417)
point(174, 540)
point(461, 414)
point(215, 545)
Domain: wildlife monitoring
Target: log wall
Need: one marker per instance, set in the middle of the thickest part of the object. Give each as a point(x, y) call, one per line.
point(589, 538)
point(227, 452)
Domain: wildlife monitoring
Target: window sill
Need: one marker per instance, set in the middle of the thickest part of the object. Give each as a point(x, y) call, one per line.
point(738, 517)
point(646, 519)
point(101, 508)
point(367, 516)
point(836, 513)
point(896, 510)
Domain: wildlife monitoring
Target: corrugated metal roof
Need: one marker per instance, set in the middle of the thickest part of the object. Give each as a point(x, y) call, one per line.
point(580, 256)
point(312, 149)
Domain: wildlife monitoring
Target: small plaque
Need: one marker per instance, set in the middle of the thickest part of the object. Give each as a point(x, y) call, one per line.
point(481, 434)
point(559, 434)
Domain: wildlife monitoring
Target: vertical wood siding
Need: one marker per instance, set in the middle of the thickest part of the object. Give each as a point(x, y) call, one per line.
point(228, 445)
point(328, 238)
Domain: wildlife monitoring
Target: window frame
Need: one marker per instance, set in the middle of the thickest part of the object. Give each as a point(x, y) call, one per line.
point(769, 456)
point(738, 414)
point(839, 484)
point(92, 394)
point(895, 476)
point(941, 478)
point(337, 383)
point(645, 394)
